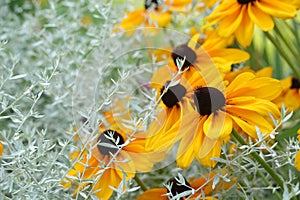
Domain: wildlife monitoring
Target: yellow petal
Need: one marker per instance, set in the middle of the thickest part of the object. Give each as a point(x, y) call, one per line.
point(277, 8)
point(154, 194)
point(261, 87)
point(286, 83)
point(210, 148)
point(190, 141)
point(297, 161)
point(160, 19)
point(245, 31)
point(260, 18)
point(185, 153)
point(247, 120)
point(229, 25)
point(230, 54)
point(265, 72)
point(218, 125)
point(108, 178)
point(246, 127)
point(239, 82)
point(161, 76)
point(261, 106)
point(167, 135)
point(193, 41)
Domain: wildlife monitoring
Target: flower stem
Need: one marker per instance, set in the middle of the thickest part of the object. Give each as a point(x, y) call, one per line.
point(282, 53)
point(267, 182)
point(287, 44)
point(259, 159)
point(140, 183)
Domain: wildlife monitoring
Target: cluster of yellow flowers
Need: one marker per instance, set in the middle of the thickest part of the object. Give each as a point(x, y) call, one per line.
point(200, 98)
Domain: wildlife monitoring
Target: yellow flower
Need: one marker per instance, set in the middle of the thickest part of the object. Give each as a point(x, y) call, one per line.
point(211, 53)
point(290, 95)
point(239, 16)
point(109, 159)
point(245, 103)
point(144, 18)
point(153, 15)
point(162, 132)
point(203, 185)
point(1, 148)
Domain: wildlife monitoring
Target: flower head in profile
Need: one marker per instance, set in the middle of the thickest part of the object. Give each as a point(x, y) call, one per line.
point(115, 154)
point(238, 17)
point(244, 104)
point(195, 188)
point(290, 95)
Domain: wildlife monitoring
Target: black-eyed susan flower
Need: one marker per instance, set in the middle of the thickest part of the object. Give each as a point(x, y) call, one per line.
point(243, 103)
point(162, 132)
point(116, 154)
point(203, 186)
point(208, 52)
point(154, 14)
point(297, 158)
point(239, 16)
point(290, 95)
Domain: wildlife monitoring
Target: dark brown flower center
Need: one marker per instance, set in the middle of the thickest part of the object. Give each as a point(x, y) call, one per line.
point(173, 95)
point(208, 100)
point(109, 141)
point(184, 51)
point(177, 187)
point(150, 3)
point(245, 1)
point(295, 83)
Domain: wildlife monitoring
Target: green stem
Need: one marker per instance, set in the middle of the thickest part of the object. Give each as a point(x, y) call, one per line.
point(267, 182)
point(140, 183)
point(282, 53)
point(259, 159)
point(287, 44)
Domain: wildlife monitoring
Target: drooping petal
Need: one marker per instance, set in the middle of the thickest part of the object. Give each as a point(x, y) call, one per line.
point(108, 178)
point(211, 148)
point(245, 31)
point(247, 120)
point(191, 130)
point(228, 27)
point(260, 18)
point(168, 134)
point(261, 106)
point(218, 125)
point(185, 153)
